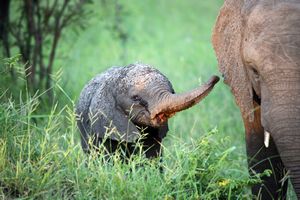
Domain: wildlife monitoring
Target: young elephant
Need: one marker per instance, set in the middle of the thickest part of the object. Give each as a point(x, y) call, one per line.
point(123, 102)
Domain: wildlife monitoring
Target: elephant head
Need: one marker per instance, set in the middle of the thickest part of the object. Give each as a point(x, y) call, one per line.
point(257, 43)
point(123, 101)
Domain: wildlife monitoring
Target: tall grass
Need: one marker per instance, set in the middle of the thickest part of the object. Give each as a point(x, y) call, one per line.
point(41, 158)
point(204, 151)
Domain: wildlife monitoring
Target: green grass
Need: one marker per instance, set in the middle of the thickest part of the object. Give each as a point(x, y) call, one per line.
point(204, 151)
point(45, 161)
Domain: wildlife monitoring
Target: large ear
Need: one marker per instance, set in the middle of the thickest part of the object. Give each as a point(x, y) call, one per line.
point(107, 120)
point(227, 42)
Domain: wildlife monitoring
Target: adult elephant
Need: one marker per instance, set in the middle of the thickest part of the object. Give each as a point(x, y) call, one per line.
point(257, 43)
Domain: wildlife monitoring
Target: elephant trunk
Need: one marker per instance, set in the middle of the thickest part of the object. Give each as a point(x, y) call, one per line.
point(281, 117)
point(173, 103)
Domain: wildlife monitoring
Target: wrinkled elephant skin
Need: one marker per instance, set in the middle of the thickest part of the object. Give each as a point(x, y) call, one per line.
point(126, 104)
point(257, 43)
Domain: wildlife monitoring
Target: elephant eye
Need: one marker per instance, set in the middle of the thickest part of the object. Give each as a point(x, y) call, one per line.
point(254, 73)
point(139, 101)
point(136, 98)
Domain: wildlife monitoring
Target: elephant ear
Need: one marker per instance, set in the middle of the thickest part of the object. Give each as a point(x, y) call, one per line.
point(227, 43)
point(109, 121)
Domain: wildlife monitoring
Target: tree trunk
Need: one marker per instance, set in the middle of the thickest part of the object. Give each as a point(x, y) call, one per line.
point(4, 22)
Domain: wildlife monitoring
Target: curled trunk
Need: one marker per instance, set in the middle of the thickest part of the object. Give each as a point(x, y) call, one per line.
point(177, 102)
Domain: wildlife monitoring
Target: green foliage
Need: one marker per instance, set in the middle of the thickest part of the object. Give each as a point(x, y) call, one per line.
point(7, 83)
point(42, 159)
point(40, 153)
point(33, 29)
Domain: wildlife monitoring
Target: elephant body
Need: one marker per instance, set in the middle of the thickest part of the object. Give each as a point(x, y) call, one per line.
point(126, 104)
point(257, 43)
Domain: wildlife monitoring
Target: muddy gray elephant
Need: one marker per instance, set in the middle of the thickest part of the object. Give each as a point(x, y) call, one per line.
point(257, 43)
point(121, 104)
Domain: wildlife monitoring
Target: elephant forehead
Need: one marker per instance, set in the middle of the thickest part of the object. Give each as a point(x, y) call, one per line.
point(269, 17)
point(143, 76)
point(272, 34)
point(146, 79)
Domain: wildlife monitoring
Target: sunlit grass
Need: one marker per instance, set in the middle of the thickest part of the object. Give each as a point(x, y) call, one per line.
point(204, 153)
point(41, 158)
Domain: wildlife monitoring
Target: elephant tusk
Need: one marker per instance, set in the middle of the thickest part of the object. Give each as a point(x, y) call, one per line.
point(266, 138)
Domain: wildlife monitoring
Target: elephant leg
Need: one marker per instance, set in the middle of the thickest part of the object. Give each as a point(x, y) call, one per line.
point(126, 149)
point(261, 158)
point(110, 146)
point(152, 150)
point(152, 147)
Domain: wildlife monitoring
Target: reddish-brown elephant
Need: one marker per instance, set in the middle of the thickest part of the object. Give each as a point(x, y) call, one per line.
point(257, 43)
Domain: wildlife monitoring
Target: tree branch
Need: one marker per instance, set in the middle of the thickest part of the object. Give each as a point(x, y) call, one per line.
point(57, 31)
point(4, 23)
point(30, 73)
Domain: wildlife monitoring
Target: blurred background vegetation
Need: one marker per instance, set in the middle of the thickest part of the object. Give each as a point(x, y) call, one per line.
point(51, 49)
point(173, 36)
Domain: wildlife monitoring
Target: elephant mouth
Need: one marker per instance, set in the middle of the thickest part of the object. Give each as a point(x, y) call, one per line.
point(141, 118)
point(161, 118)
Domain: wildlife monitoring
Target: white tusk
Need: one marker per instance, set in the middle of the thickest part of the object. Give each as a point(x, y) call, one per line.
point(266, 138)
